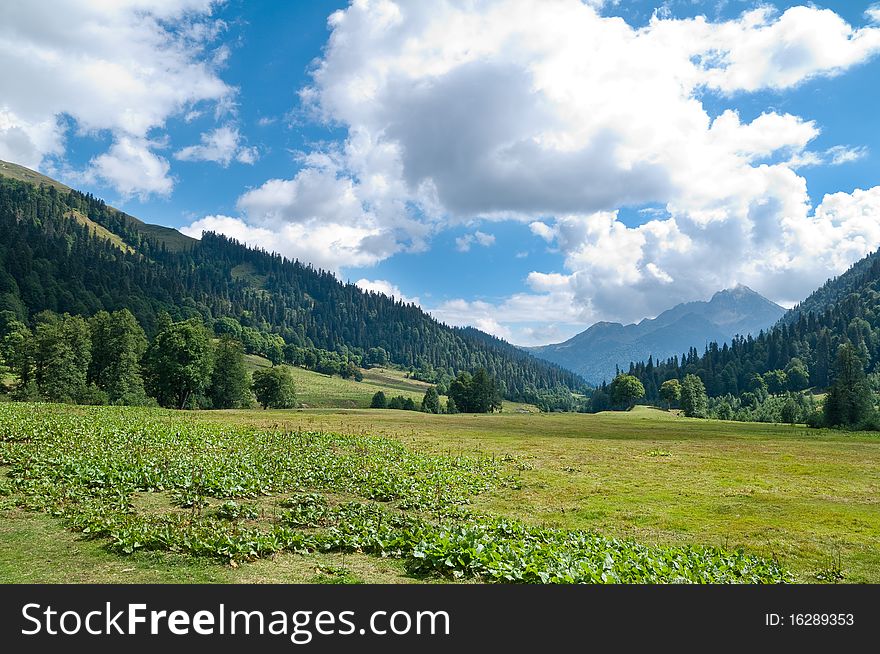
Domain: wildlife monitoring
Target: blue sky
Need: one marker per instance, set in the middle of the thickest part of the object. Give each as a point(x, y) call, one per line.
point(528, 168)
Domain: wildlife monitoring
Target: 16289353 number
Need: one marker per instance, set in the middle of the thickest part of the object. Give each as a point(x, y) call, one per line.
point(821, 619)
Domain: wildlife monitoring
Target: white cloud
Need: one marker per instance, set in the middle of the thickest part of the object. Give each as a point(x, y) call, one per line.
point(833, 156)
point(322, 245)
point(464, 243)
point(841, 154)
point(222, 146)
point(486, 240)
point(385, 288)
point(551, 114)
point(540, 282)
point(543, 230)
point(132, 168)
point(767, 134)
point(765, 50)
point(524, 318)
point(124, 67)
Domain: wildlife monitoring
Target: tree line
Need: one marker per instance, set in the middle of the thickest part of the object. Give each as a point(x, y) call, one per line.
point(107, 359)
point(851, 400)
point(477, 393)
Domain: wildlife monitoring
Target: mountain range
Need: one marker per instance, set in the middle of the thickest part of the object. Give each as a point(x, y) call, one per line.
point(598, 352)
point(844, 310)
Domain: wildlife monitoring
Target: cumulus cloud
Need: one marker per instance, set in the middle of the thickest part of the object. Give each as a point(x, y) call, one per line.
point(524, 318)
point(762, 50)
point(384, 287)
point(222, 146)
point(626, 273)
point(122, 67)
point(557, 116)
point(132, 168)
point(324, 245)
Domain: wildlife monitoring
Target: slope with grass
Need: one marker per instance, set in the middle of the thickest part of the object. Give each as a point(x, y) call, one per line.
point(318, 391)
point(69, 252)
point(170, 238)
point(315, 390)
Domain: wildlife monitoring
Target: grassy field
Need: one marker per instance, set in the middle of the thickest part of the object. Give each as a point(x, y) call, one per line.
point(317, 391)
point(314, 390)
point(808, 498)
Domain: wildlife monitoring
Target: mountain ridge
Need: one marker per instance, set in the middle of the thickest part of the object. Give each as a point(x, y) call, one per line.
point(597, 352)
point(69, 252)
point(172, 238)
point(844, 310)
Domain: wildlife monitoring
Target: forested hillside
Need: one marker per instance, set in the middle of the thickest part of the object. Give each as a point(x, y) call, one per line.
point(797, 353)
point(69, 252)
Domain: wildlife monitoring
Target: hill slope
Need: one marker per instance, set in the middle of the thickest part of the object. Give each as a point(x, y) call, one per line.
point(170, 238)
point(598, 351)
point(64, 251)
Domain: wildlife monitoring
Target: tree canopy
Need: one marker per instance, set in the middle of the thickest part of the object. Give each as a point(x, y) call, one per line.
point(275, 388)
point(477, 393)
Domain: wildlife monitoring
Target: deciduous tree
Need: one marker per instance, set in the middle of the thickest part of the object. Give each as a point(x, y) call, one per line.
point(694, 401)
point(274, 388)
point(179, 364)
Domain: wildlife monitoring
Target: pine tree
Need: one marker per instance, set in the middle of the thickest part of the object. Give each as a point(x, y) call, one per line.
point(849, 402)
point(451, 407)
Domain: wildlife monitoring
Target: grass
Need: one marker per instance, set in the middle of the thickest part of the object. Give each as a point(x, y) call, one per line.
point(22, 174)
point(34, 548)
point(807, 497)
point(317, 391)
point(247, 273)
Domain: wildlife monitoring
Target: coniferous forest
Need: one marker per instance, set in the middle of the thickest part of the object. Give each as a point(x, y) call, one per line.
point(835, 328)
point(69, 253)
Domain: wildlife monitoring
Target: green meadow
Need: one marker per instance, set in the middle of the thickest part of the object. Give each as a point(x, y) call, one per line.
point(801, 498)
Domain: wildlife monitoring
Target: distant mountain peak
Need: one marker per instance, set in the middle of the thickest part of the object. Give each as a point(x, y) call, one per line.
point(739, 291)
point(596, 352)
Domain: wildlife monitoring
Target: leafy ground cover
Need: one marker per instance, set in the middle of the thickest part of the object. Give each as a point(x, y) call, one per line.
point(145, 481)
point(808, 497)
